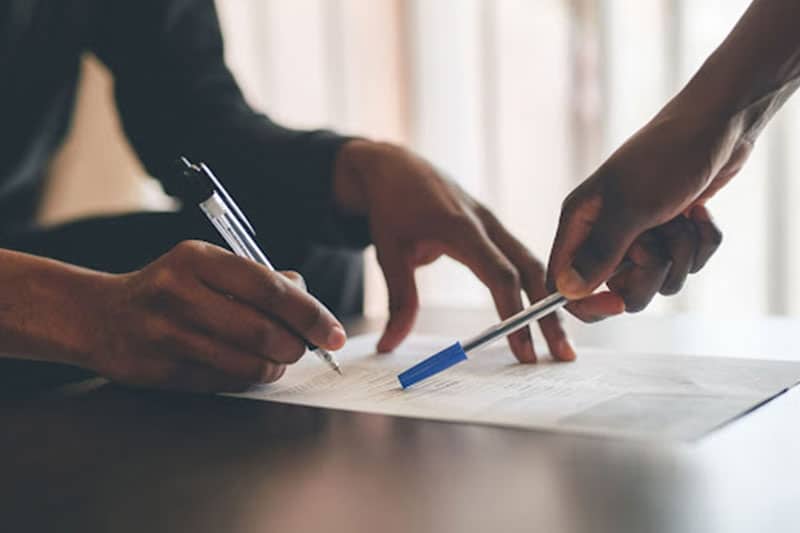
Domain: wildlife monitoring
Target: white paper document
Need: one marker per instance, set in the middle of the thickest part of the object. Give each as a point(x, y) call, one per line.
point(603, 392)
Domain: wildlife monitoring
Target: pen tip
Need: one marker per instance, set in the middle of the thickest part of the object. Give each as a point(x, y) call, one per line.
point(338, 370)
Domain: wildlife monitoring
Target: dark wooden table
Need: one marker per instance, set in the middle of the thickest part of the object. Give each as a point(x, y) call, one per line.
point(133, 461)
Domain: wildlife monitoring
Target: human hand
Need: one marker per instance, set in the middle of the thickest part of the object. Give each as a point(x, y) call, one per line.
point(660, 260)
point(646, 204)
point(200, 318)
point(416, 215)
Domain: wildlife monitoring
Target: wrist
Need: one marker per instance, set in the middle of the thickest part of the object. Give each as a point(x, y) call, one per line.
point(358, 166)
point(46, 314)
point(717, 92)
point(84, 310)
point(706, 116)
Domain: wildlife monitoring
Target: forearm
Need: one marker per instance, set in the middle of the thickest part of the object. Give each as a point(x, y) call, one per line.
point(753, 72)
point(42, 308)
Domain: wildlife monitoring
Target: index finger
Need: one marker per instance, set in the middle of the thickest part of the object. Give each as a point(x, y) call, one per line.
point(472, 247)
point(272, 294)
point(533, 283)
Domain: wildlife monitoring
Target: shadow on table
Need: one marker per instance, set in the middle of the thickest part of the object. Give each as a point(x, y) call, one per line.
point(127, 460)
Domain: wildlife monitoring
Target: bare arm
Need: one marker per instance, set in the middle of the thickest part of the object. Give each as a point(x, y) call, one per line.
point(40, 306)
point(197, 318)
point(663, 175)
point(755, 70)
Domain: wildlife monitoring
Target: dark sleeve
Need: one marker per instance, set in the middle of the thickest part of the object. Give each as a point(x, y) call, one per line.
point(177, 97)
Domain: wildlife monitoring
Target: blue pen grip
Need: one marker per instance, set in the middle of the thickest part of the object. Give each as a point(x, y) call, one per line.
point(452, 355)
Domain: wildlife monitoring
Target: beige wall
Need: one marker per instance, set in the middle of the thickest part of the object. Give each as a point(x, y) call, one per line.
point(96, 171)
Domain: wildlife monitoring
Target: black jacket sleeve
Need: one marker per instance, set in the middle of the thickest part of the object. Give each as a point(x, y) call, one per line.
point(177, 97)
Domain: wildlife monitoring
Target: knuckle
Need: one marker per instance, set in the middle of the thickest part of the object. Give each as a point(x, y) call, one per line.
point(312, 318)
point(274, 289)
point(650, 254)
point(635, 308)
point(635, 304)
point(296, 278)
point(187, 249)
point(168, 291)
point(485, 214)
point(672, 288)
point(164, 279)
point(533, 272)
point(294, 351)
point(534, 265)
point(273, 373)
point(716, 236)
point(584, 198)
point(459, 222)
point(282, 346)
point(507, 277)
point(159, 333)
point(570, 203)
point(264, 372)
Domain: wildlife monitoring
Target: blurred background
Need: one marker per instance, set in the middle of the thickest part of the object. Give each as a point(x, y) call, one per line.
point(518, 100)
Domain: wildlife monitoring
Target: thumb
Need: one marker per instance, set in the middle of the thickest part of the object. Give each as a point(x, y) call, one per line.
point(403, 299)
point(590, 244)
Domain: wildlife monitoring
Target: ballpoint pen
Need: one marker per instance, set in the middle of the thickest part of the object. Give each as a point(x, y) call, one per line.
point(457, 352)
point(199, 185)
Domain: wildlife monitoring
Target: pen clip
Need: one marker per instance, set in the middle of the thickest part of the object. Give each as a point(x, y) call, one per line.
point(227, 198)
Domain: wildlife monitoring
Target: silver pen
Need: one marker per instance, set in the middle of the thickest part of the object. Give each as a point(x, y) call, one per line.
point(206, 190)
point(456, 353)
point(535, 311)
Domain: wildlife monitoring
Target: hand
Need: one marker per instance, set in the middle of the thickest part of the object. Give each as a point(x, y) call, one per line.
point(200, 318)
point(415, 216)
point(660, 260)
point(646, 203)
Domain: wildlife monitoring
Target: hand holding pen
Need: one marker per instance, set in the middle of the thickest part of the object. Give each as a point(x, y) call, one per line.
point(202, 187)
point(198, 318)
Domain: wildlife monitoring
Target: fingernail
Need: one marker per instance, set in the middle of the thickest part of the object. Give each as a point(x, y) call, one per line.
point(571, 284)
point(337, 337)
point(565, 350)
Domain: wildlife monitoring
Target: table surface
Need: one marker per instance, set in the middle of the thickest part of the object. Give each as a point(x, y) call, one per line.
point(121, 460)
